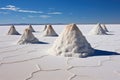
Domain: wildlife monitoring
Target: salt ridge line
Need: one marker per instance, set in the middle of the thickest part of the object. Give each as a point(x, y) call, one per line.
point(31, 75)
point(70, 78)
point(6, 51)
point(17, 47)
point(47, 70)
point(39, 69)
point(74, 75)
point(23, 60)
point(11, 50)
point(28, 52)
point(36, 58)
point(100, 63)
point(8, 46)
point(70, 66)
point(86, 76)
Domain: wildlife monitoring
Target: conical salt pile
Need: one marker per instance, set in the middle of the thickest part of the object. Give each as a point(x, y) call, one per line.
point(97, 30)
point(28, 38)
point(104, 27)
point(12, 31)
point(49, 31)
point(45, 27)
point(71, 43)
point(31, 28)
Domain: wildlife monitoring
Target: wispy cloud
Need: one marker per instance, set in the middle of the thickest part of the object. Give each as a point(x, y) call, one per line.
point(10, 7)
point(44, 16)
point(29, 11)
point(14, 8)
point(56, 13)
point(40, 16)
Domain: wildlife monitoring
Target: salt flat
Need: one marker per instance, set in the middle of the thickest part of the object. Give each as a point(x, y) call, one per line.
point(33, 62)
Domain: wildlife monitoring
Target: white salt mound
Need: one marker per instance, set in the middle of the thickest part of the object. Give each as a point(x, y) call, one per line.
point(28, 38)
point(104, 27)
point(49, 31)
point(71, 43)
point(31, 28)
point(12, 31)
point(45, 28)
point(97, 30)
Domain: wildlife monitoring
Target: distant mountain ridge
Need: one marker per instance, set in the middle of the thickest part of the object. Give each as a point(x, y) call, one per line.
point(49, 23)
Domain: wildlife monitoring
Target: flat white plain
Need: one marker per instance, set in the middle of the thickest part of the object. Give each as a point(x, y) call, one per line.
point(32, 62)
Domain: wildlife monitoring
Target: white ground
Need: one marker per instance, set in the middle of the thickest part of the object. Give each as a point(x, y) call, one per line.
point(32, 62)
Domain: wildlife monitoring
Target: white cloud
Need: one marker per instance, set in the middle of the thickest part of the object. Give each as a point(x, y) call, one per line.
point(40, 16)
point(45, 16)
point(29, 11)
point(14, 8)
point(56, 13)
point(10, 7)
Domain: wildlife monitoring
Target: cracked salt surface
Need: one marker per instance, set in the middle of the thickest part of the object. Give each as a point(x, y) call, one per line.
point(31, 62)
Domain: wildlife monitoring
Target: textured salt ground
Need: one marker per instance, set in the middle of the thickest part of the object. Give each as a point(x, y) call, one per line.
point(32, 62)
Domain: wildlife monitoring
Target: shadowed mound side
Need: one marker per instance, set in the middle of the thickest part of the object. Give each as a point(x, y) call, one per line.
point(71, 43)
point(31, 28)
point(104, 27)
point(49, 31)
point(12, 31)
point(28, 38)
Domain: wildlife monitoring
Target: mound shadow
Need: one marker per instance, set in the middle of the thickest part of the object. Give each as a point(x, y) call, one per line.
point(109, 34)
point(104, 53)
point(36, 32)
point(40, 42)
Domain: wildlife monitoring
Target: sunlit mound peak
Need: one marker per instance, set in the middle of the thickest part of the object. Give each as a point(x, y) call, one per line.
point(12, 31)
point(49, 31)
point(28, 38)
point(71, 43)
point(97, 30)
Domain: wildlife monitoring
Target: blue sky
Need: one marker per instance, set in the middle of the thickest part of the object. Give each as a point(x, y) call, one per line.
point(59, 11)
